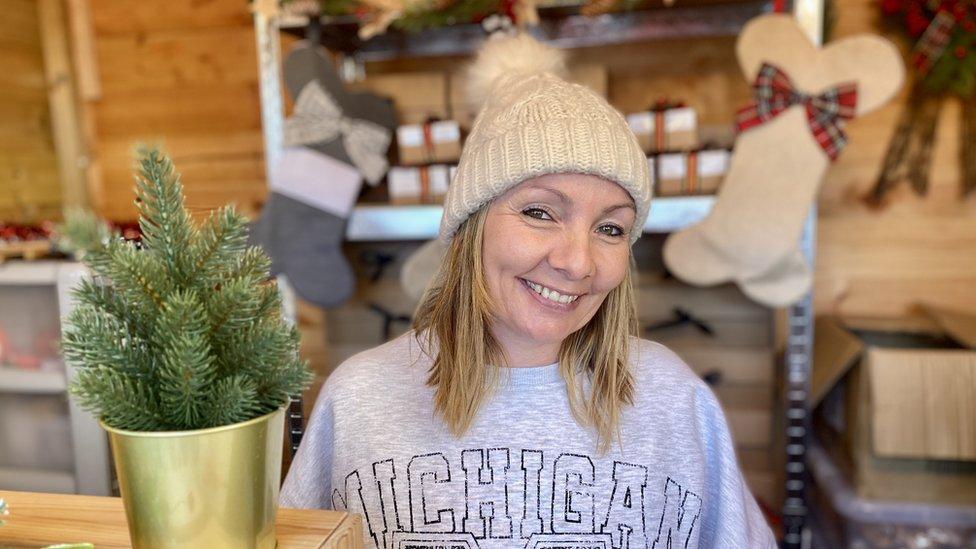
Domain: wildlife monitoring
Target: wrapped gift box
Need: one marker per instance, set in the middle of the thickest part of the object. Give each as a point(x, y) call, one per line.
point(695, 172)
point(662, 130)
point(438, 141)
point(418, 184)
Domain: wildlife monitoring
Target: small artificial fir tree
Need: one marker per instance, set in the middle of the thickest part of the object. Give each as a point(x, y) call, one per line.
point(183, 331)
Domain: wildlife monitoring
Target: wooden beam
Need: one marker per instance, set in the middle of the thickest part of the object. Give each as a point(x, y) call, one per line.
point(89, 77)
point(83, 50)
point(65, 127)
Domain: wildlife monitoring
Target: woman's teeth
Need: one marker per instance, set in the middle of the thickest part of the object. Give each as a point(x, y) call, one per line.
point(551, 295)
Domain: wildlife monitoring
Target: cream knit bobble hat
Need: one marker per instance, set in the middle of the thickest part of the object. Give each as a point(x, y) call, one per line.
point(534, 123)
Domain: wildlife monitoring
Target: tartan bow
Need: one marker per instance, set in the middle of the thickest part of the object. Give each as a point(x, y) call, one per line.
point(774, 93)
point(933, 42)
point(317, 118)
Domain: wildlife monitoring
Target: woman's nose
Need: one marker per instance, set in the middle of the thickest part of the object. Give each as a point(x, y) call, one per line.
point(572, 255)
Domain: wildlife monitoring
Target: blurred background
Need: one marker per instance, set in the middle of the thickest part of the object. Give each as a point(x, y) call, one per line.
point(886, 459)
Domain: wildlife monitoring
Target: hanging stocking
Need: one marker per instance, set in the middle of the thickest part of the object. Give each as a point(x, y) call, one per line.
point(334, 139)
point(419, 269)
point(304, 223)
point(789, 137)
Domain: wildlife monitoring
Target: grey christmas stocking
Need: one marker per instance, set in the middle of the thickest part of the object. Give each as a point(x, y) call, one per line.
point(333, 140)
point(305, 243)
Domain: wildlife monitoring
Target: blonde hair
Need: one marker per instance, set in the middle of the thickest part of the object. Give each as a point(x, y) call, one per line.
point(452, 325)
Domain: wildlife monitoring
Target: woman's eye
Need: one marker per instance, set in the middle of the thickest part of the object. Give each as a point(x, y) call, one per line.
point(611, 230)
point(537, 213)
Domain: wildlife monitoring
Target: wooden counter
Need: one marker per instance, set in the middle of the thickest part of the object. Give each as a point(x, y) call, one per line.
point(36, 520)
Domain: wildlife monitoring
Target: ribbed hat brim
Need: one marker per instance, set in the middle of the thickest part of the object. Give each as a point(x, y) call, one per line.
point(561, 145)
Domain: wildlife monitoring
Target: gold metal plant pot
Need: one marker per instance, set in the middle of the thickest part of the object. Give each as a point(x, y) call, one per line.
point(209, 488)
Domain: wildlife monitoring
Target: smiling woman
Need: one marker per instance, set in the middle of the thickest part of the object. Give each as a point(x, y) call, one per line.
point(522, 410)
point(554, 248)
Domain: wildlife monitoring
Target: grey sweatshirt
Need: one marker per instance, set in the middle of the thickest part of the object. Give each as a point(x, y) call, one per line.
point(525, 474)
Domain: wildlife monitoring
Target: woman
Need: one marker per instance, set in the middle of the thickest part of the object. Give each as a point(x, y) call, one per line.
point(521, 411)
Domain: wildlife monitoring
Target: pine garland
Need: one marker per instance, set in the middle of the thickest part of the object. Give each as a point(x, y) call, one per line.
point(82, 231)
point(183, 331)
point(417, 15)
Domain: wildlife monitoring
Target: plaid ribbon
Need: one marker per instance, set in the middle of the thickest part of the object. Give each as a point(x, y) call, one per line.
point(932, 44)
point(774, 93)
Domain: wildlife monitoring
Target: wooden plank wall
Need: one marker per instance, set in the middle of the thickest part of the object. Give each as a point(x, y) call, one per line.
point(186, 71)
point(182, 73)
point(29, 187)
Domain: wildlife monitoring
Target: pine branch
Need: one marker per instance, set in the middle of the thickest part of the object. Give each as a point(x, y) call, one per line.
point(167, 229)
point(137, 275)
point(101, 295)
point(232, 307)
point(270, 300)
point(252, 264)
point(96, 337)
point(278, 386)
point(83, 233)
point(186, 368)
point(233, 399)
point(260, 347)
point(121, 401)
point(222, 238)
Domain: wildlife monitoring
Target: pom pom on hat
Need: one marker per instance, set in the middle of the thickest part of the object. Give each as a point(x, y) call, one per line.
point(505, 56)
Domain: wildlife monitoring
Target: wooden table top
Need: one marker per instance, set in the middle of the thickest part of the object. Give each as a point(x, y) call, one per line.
point(37, 520)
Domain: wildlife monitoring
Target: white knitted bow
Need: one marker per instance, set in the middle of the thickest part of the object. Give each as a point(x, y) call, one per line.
point(317, 118)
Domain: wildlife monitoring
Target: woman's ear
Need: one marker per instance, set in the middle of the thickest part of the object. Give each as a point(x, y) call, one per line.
point(871, 62)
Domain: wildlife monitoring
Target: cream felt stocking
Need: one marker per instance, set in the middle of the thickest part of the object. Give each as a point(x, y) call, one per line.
point(782, 284)
point(752, 233)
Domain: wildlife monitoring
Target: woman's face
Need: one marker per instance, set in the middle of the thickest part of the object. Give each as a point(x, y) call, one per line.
point(554, 246)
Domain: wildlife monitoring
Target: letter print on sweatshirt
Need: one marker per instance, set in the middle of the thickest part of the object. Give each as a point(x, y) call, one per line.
point(490, 498)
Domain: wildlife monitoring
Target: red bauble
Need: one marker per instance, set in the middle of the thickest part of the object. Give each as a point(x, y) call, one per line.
point(959, 11)
point(508, 8)
point(916, 23)
point(891, 7)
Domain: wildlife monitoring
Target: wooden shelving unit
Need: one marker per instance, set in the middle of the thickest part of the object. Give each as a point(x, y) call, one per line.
point(39, 480)
point(89, 445)
point(378, 222)
point(30, 382)
point(563, 27)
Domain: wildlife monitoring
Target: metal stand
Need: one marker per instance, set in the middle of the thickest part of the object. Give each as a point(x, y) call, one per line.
point(799, 354)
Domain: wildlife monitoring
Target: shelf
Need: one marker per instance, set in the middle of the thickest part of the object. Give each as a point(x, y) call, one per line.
point(36, 480)
point(378, 222)
point(29, 273)
point(559, 27)
point(13, 380)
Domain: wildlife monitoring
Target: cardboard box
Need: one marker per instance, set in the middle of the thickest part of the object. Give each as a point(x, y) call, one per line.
point(430, 142)
point(897, 410)
point(665, 130)
point(418, 184)
point(692, 173)
point(417, 96)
